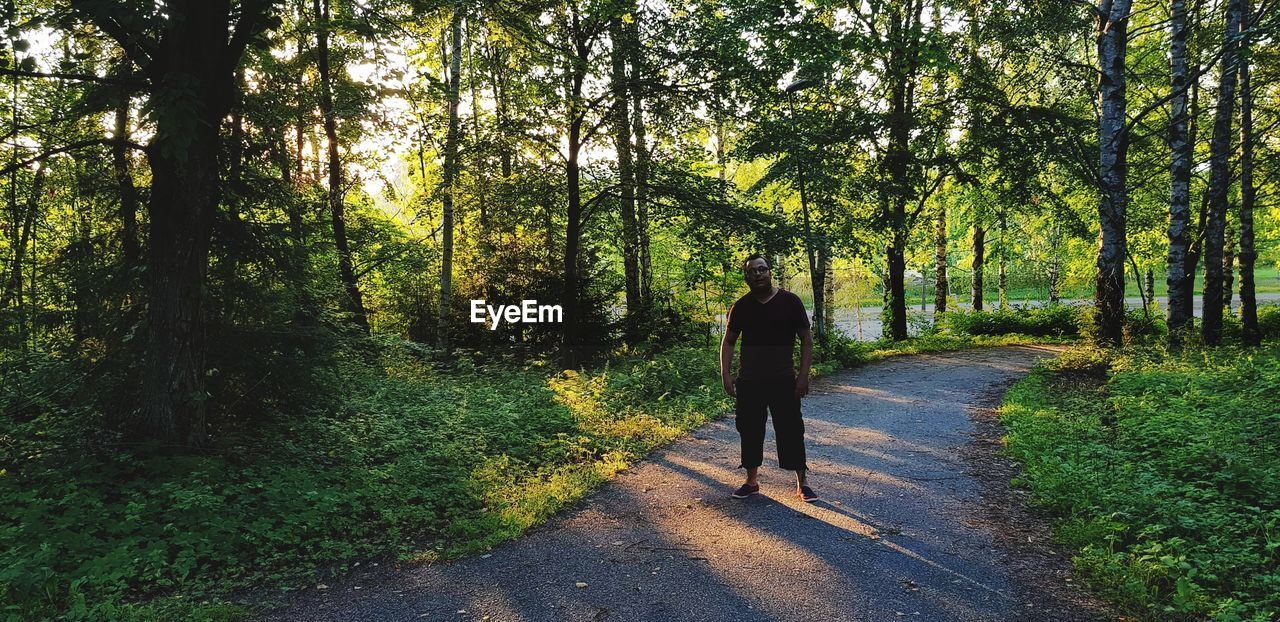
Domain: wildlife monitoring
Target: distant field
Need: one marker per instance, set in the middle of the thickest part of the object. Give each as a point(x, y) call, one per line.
point(1267, 280)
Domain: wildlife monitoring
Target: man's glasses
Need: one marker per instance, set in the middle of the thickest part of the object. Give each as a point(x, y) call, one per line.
point(757, 271)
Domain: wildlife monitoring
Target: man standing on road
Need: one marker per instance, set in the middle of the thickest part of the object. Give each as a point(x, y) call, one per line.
point(768, 318)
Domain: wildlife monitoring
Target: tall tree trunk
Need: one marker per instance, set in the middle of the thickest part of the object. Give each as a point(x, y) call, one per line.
point(828, 291)
point(449, 185)
point(979, 264)
point(812, 249)
point(185, 193)
point(1220, 180)
point(571, 353)
point(1228, 266)
point(124, 182)
point(1055, 268)
point(626, 174)
point(1113, 138)
point(286, 176)
point(13, 276)
point(975, 110)
point(640, 134)
point(1151, 285)
point(198, 48)
point(940, 284)
point(299, 158)
point(1003, 282)
point(482, 185)
point(901, 69)
point(498, 76)
point(1178, 280)
point(355, 302)
point(24, 218)
point(779, 260)
point(1251, 334)
point(1196, 246)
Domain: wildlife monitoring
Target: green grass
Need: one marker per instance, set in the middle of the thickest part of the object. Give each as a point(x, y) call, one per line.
point(416, 463)
point(1163, 473)
point(1267, 280)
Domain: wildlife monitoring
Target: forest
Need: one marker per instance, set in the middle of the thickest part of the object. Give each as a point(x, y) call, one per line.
point(241, 241)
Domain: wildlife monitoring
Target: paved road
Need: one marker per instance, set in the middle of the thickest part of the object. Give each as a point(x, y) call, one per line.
point(898, 535)
point(864, 324)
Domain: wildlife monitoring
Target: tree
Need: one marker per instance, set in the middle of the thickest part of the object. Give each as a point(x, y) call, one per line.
point(188, 56)
point(449, 182)
point(622, 83)
point(1248, 192)
point(1220, 178)
point(1178, 280)
point(336, 193)
point(1113, 137)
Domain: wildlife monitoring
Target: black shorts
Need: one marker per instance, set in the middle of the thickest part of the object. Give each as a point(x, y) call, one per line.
point(758, 398)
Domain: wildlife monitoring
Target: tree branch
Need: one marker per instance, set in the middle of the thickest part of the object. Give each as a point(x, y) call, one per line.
point(70, 147)
point(136, 45)
point(253, 14)
point(83, 77)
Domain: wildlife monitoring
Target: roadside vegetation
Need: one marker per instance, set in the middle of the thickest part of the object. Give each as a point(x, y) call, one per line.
point(1162, 470)
point(406, 462)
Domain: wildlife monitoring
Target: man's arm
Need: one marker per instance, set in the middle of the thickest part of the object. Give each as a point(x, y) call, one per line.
point(806, 360)
point(726, 360)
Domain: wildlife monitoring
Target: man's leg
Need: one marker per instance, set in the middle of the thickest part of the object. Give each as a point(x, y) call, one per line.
point(788, 427)
point(749, 419)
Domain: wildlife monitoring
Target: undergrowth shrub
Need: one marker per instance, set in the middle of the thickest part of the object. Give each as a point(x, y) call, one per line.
point(1164, 474)
point(1047, 321)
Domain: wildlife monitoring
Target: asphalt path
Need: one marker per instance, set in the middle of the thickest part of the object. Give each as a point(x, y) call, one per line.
point(902, 531)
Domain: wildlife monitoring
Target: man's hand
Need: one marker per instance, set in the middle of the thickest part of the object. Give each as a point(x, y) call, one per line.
point(802, 386)
point(728, 386)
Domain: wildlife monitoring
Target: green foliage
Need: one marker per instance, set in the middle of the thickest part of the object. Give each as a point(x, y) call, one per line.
point(1163, 472)
point(1047, 321)
point(1269, 321)
point(411, 462)
point(843, 352)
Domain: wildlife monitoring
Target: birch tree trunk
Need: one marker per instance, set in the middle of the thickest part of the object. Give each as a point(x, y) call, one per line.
point(1177, 279)
point(1113, 138)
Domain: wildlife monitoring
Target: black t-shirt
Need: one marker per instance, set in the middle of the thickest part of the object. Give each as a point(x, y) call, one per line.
point(768, 333)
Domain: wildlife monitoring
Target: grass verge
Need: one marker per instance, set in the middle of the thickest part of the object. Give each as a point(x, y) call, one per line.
point(1163, 473)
